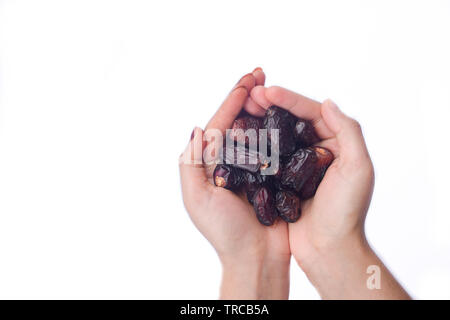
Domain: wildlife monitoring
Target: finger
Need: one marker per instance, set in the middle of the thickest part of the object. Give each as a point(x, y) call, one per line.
point(194, 182)
point(253, 108)
point(349, 137)
point(233, 104)
point(250, 105)
point(260, 76)
point(295, 103)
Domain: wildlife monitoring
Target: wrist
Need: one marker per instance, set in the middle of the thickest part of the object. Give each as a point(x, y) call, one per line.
point(255, 278)
point(347, 247)
point(345, 270)
point(339, 269)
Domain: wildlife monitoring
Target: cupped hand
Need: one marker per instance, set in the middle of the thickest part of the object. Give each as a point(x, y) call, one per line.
point(328, 241)
point(250, 252)
point(337, 211)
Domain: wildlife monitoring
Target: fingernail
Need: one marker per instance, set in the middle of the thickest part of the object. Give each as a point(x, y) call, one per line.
point(237, 87)
point(333, 106)
point(257, 69)
point(245, 75)
point(192, 134)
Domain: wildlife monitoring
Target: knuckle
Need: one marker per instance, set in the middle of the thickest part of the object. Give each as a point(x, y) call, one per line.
point(355, 124)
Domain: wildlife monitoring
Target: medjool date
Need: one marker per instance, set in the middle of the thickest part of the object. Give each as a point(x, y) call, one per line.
point(304, 133)
point(283, 121)
point(241, 157)
point(324, 159)
point(264, 205)
point(252, 182)
point(227, 177)
point(275, 182)
point(288, 206)
point(246, 123)
point(298, 169)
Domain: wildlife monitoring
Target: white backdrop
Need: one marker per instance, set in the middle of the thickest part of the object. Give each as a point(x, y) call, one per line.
point(99, 98)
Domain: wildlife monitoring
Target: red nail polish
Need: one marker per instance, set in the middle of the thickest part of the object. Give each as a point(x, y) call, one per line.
point(243, 78)
point(237, 87)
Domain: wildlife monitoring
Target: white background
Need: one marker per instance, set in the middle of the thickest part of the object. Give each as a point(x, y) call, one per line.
point(99, 98)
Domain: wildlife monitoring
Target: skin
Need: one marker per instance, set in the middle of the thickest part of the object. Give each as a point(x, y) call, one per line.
point(328, 242)
point(255, 258)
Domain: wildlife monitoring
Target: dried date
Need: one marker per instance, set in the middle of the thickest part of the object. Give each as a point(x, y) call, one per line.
point(227, 177)
point(264, 206)
point(304, 133)
point(298, 169)
point(241, 157)
point(283, 121)
point(246, 123)
point(288, 206)
point(324, 159)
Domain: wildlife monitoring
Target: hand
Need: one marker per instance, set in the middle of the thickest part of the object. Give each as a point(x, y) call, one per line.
point(255, 258)
point(328, 241)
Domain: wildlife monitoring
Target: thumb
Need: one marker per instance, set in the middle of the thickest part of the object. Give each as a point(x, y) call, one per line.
point(352, 148)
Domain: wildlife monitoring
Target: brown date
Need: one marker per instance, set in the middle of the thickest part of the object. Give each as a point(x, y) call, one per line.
point(253, 181)
point(298, 169)
point(241, 157)
point(324, 159)
point(304, 133)
point(245, 123)
point(277, 118)
point(301, 165)
point(227, 177)
point(288, 206)
point(264, 206)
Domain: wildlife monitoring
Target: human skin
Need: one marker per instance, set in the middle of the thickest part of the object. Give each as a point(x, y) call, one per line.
point(255, 258)
point(328, 241)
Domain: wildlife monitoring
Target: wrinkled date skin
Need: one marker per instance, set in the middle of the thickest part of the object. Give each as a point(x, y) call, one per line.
point(301, 165)
point(304, 133)
point(228, 177)
point(264, 205)
point(298, 169)
point(245, 123)
point(288, 206)
point(253, 181)
point(241, 157)
point(324, 159)
point(277, 118)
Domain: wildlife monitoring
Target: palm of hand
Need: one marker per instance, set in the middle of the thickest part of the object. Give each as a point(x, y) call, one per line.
point(232, 226)
point(334, 211)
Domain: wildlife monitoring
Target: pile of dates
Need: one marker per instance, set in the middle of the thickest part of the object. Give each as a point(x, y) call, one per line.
point(301, 164)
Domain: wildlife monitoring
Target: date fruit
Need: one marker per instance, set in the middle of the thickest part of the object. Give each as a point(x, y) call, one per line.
point(288, 206)
point(252, 182)
point(277, 118)
point(304, 133)
point(228, 177)
point(324, 159)
point(301, 165)
point(245, 123)
point(298, 169)
point(241, 157)
point(264, 205)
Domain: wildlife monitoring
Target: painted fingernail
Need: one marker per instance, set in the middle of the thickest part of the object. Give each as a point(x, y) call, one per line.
point(245, 75)
point(237, 87)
